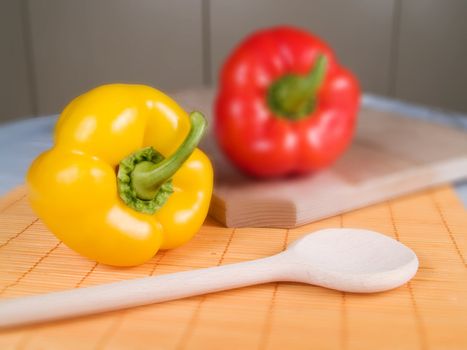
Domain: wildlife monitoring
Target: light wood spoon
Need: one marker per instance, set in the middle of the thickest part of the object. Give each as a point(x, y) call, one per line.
point(350, 260)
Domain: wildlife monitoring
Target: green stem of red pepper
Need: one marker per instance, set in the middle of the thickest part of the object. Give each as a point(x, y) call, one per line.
point(294, 96)
point(144, 177)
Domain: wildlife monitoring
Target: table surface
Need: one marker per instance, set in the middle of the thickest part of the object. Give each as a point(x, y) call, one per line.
point(22, 141)
point(429, 312)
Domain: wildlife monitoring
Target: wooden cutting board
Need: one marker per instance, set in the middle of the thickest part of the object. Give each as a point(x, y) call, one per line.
point(390, 156)
point(428, 313)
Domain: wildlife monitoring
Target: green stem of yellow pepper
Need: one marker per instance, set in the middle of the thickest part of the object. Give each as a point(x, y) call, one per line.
point(144, 178)
point(148, 177)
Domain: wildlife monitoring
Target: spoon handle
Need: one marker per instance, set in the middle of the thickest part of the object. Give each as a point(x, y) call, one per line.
point(142, 291)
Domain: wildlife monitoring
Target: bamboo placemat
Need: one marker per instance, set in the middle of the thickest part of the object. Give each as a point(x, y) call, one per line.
point(428, 313)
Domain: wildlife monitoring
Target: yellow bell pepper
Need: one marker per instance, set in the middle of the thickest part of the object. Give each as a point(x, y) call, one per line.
point(124, 177)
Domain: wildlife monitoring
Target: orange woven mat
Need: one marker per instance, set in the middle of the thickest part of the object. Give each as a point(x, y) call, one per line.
point(428, 313)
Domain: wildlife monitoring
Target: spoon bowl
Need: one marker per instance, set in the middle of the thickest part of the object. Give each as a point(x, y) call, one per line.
point(352, 260)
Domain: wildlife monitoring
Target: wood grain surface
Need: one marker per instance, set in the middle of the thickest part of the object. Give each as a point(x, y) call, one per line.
point(428, 313)
point(390, 156)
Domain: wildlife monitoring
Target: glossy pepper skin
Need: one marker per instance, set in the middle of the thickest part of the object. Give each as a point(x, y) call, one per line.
point(285, 105)
point(73, 187)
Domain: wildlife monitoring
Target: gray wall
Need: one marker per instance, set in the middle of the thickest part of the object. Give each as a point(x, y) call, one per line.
point(53, 50)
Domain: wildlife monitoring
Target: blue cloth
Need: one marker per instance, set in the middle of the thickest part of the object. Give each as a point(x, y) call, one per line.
point(22, 141)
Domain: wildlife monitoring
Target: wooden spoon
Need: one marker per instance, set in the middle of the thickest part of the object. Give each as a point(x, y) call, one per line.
point(350, 260)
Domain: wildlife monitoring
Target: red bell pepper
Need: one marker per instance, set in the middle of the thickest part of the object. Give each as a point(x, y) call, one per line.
point(285, 105)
